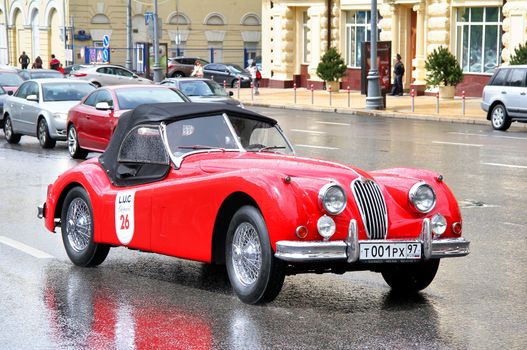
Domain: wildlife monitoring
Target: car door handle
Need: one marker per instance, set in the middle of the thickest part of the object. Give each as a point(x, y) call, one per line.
point(522, 93)
point(504, 92)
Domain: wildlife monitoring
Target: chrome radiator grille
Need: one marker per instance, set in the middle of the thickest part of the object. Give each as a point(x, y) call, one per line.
point(372, 208)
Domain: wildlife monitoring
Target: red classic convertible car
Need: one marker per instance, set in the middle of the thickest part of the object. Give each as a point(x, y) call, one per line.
point(220, 184)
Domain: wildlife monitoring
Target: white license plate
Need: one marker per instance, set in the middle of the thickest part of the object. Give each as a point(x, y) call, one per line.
point(390, 251)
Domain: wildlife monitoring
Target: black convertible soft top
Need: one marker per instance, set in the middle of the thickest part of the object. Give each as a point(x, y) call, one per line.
point(154, 114)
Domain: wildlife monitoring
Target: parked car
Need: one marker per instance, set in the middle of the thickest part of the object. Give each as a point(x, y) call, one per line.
point(103, 75)
point(220, 184)
point(91, 123)
point(10, 80)
point(40, 107)
point(228, 73)
point(202, 90)
point(3, 95)
point(505, 96)
point(68, 70)
point(182, 66)
point(32, 74)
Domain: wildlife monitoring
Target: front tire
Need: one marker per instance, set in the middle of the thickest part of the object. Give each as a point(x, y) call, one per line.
point(499, 118)
point(74, 148)
point(411, 277)
point(44, 138)
point(10, 136)
point(255, 274)
point(77, 230)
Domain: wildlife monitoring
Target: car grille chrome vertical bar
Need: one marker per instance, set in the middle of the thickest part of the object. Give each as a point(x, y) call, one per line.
point(372, 207)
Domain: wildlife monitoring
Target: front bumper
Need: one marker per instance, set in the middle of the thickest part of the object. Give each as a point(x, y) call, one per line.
point(348, 250)
point(41, 211)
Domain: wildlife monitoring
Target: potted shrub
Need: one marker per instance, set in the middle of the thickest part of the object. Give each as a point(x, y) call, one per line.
point(520, 55)
point(331, 68)
point(443, 70)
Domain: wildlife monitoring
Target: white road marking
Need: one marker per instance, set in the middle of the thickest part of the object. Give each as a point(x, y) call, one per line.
point(509, 137)
point(318, 147)
point(507, 165)
point(457, 144)
point(465, 133)
point(332, 123)
point(25, 248)
point(309, 131)
point(484, 135)
point(513, 224)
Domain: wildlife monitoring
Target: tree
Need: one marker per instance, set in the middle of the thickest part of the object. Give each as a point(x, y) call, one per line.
point(520, 55)
point(331, 66)
point(442, 68)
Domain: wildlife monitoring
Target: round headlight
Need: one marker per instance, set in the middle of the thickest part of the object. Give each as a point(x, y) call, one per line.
point(332, 198)
point(326, 227)
point(438, 224)
point(423, 197)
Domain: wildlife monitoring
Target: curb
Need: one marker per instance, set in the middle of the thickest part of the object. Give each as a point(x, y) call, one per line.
point(373, 113)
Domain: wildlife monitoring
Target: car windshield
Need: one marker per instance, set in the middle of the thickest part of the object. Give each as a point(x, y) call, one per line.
point(214, 132)
point(129, 98)
point(202, 88)
point(235, 68)
point(45, 75)
point(2, 91)
point(54, 92)
point(9, 79)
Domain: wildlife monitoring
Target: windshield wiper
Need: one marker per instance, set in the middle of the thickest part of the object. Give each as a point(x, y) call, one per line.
point(200, 147)
point(270, 148)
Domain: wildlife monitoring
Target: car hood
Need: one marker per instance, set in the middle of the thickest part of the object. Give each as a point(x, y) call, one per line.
point(214, 99)
point(59, 107)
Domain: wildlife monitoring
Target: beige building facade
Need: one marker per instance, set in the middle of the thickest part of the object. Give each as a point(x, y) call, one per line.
point(223, 31)
point(480, 33)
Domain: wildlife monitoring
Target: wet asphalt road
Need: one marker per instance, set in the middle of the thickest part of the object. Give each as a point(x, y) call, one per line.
point(142, 300)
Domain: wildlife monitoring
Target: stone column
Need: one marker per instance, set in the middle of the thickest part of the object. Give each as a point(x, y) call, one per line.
point(318, 26)
point(420, 50)
point(335, 25)
point(44, 46)
point(514, 26)
point(389, 25)
point(11, 33)
point(281, 46)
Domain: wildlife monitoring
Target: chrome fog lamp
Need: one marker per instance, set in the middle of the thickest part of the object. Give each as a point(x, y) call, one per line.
point(332, 198)
point(326, 227)
point(438, 224)
point(423, 197)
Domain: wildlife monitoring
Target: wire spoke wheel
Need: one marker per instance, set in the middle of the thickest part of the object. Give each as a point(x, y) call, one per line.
point(79, 224)
point(247, 255)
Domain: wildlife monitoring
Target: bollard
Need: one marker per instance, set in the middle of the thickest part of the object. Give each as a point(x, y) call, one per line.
point(412, 93)
point(239, 86)
point(225, 84)
point(312, 95)
point(329, 90)
point(349, 100)
point(463, 102)
point(437, 102)
point(252, 91)
point(212, 77)
point(294, 91)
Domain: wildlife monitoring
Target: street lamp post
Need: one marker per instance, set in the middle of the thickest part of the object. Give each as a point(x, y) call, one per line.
point(128, 61)
point(158, 74)
point(374, 99)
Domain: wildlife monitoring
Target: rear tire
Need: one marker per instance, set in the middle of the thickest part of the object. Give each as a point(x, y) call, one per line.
point(77, 230)
point(74, 148)
point(499, 118)
point(234, 83)
point(10, 136)
point(411, 277)
point(44, 138)
point(178, 75)
point(255, 274)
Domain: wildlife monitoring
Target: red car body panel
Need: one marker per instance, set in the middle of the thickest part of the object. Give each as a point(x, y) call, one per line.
point(176, 216)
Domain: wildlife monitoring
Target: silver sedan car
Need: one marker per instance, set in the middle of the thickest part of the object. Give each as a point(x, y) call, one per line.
point(40, 108)
point(102, 75)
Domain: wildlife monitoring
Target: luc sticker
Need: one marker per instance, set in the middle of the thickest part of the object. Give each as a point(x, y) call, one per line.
point(124, 216)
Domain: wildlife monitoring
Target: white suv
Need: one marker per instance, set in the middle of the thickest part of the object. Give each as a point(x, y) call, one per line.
point(505, 97)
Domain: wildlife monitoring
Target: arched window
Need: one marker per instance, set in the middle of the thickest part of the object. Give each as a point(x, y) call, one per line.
point(178, 18)
point(250, 19)
point(100, 19)
point(215, 19)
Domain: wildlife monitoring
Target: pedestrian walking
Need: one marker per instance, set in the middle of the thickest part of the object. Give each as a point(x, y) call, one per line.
point(398, 72)
point(198, 70)
point(24, 60)
point(54, 63)
point(256, 76)
point(37, 64)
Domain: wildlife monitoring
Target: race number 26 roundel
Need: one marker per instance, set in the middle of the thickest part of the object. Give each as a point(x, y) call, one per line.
point(124, 216)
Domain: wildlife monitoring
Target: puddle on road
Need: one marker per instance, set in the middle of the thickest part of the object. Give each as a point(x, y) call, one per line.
point(470, 203)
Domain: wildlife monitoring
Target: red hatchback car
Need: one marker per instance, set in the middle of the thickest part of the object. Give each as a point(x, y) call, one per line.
point(91, 123)
point(220, 184)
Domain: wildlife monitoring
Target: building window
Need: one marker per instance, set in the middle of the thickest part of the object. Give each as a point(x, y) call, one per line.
point(479, 38)
point(305, 37)
point(250, 20)
point(179, 19)
point(358, 29)
point(215, 19)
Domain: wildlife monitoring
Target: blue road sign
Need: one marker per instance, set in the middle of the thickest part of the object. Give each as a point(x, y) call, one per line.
point(105, 55)
point(106, 41)
point(149, 16)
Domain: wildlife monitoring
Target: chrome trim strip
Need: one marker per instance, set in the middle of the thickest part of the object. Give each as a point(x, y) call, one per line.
point(352, 242)
point(372, 207)
point(295, 251)
point(426, 238)
point(450, 247)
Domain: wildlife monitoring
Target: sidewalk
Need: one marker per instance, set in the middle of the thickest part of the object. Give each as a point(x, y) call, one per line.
point(397, 106)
